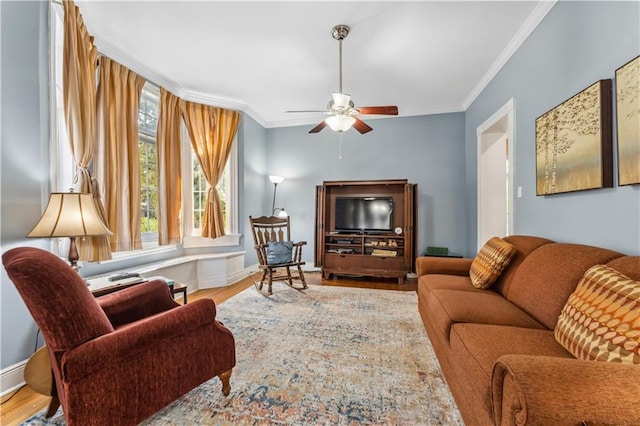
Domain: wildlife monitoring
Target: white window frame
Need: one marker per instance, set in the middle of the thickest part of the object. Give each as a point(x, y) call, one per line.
point(150, 239)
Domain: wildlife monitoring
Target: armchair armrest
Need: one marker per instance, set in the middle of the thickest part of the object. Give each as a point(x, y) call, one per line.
point(137, 302)
point(143, 336)
point(443, 265)
point(528, 389)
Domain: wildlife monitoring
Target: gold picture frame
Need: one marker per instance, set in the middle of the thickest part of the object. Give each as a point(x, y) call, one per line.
point(574, 143)
point(628, 122)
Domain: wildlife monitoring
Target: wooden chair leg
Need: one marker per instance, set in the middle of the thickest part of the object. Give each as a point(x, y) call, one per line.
point(53, 406)
point(264, 275)
point(270, 281)
point(224, 378)
point(289, 277)
point(301, 274)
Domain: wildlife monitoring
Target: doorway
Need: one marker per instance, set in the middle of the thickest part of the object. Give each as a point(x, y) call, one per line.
point(495, 174)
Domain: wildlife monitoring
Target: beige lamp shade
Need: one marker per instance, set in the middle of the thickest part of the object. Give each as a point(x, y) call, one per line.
point(69, 214)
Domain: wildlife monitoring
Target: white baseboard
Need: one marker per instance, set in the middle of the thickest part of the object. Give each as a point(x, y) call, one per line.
point(12, 377)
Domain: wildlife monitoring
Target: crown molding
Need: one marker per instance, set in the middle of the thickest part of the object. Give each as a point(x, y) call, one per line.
point(525, 30)
point(117, 54)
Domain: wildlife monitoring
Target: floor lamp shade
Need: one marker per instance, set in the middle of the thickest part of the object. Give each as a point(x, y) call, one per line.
point(69, 214)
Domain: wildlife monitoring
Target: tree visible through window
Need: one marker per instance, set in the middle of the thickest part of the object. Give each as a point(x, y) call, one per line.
point(199, 191)
point(147, 129)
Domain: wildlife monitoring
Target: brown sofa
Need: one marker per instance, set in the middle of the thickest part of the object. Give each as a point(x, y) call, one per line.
point(497, 348)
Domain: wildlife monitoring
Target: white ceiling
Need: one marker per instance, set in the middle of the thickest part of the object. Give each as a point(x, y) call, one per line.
point(265, 57)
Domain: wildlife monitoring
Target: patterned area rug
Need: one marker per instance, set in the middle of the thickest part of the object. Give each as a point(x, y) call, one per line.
point(326, 355)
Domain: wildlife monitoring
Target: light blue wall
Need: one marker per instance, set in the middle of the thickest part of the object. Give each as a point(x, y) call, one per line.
point(253, 188)
point(427, 150)
point(24, 155)
point(575, 45)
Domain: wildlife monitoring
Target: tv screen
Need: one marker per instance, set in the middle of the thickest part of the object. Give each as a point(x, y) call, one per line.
point(364, 214)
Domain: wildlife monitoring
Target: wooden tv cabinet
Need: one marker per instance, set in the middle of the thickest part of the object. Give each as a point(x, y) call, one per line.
point(381, 254)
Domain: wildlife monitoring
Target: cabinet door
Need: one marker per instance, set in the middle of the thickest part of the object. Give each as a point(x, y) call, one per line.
point(410, 225)
point(321, 196)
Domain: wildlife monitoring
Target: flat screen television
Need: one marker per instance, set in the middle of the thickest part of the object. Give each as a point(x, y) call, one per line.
point(364, 214)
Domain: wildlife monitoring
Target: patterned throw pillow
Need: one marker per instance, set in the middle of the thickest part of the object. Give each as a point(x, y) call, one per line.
point(601, 319)
point(490, 261)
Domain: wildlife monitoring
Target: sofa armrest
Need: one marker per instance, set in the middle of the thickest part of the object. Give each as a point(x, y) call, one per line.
point(527, 389)
point(443, 265)
point(137, 302)
point(148, 335)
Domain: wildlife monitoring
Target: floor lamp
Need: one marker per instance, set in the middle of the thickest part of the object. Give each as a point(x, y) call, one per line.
point(276, 211)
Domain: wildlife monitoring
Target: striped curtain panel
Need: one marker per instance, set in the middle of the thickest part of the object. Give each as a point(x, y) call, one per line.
point(169, 169)
point(79, 92)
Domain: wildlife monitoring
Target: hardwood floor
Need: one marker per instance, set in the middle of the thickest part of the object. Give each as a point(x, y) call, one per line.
point(20, 405)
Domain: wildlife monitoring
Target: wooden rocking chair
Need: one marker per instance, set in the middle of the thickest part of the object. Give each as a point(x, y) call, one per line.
point(270, 230)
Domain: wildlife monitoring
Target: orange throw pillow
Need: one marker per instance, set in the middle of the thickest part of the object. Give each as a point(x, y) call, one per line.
point(601, 319)
point(490, 261)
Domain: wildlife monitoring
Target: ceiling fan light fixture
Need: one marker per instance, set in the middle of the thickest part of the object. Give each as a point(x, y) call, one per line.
point(340, 123)
point(341, 100)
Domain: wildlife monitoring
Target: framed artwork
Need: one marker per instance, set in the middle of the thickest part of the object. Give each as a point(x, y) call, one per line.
point(628, 122)
point(574, 143)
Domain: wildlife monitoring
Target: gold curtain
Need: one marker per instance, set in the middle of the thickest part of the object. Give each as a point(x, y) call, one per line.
point(169, 171)
point(211, 131)
point(117, 159)
point(80, 59)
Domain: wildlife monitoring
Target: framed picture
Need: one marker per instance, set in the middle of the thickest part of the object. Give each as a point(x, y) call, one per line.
point(628, 121)
point(574, 143)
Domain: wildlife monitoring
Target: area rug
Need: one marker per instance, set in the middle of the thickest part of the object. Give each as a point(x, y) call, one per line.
point(326, 355)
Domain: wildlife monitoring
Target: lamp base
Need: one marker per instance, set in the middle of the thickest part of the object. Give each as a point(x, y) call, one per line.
point(74, 256)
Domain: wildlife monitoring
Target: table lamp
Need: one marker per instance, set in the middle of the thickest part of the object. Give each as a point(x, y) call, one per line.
point(69, 214)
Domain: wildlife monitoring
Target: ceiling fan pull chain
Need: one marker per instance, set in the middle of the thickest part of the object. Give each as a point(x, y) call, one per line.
point(340, 139)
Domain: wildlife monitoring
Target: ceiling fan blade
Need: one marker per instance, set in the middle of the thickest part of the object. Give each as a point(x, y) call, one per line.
point(382, 110)
point(361, 126)
point(319, 127)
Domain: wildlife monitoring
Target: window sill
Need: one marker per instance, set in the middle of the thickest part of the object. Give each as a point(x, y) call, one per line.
point(226, 241)
point(133, 254)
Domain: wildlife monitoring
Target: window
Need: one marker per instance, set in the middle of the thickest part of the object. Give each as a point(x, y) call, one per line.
point(147, 151)
point(194, 184)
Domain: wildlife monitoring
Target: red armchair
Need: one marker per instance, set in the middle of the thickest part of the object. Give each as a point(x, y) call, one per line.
point(119, 358)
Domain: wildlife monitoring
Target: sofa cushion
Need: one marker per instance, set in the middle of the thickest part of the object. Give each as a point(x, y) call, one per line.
point(627, 265)
point(476, 347)
point(601, 320)
point(546, 278)
point(524, 245)
point(449, 307)
point(428, 283)
point(490, 261)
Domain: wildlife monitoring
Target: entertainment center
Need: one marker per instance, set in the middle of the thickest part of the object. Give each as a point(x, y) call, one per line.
point(366, 228)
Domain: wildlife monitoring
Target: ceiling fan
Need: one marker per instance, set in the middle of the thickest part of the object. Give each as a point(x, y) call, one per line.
point(341, 109)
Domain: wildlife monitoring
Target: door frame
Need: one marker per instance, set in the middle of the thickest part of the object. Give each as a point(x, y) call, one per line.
point(490, 126)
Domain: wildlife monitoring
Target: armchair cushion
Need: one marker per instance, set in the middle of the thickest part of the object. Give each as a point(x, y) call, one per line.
point(279, 252)
point(601, 319)
point(137, 302)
